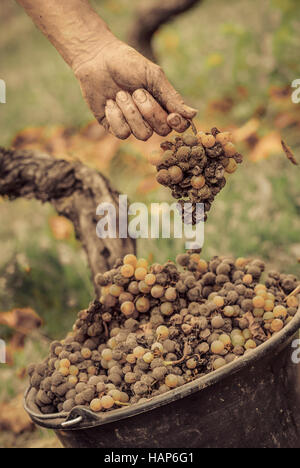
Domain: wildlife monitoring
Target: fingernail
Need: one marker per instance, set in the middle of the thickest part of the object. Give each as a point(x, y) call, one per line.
point(122, 96)
point(190, 110)
point(110, 103)
point(174, 120)
point(140, 96)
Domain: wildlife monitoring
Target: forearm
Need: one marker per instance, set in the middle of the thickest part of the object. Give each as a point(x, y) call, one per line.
point(73, 27)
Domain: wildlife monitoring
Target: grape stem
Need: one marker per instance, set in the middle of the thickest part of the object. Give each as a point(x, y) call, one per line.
point(293, 293)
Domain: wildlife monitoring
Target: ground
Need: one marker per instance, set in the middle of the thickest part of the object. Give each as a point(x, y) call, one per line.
point(235, 61)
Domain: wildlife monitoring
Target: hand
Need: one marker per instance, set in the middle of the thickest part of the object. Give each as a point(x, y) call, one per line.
point(127, 93)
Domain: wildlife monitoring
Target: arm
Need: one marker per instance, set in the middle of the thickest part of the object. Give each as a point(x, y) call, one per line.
point(126, 92)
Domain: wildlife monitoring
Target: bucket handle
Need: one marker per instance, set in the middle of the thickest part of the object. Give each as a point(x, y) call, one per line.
point(72, 422)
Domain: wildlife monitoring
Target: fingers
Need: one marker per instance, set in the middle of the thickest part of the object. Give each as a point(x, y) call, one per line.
point(152, 112)
point(178, 123)
point(171, 100)
point(116, 120)
point(137, 124)
point(140, 114)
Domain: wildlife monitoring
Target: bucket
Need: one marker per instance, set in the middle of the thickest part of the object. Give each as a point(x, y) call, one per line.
point(252, 402)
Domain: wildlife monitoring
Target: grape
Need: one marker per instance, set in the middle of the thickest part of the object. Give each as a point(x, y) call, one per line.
point(238, 340)
point(166, 308)
point(115, 290)
point(139, 351)
point(131, 358)
point(218, 301)
point(74, 370)
point(150, 279)
point(269, 305)
point(171, 380)
point(247, 279)
point(140, 273)
point(276, 325)
point(226, 340)
point(231, 166)
point(171, 294)
point(224, 137)
point(96, 405)
point(130, 259)
point(157, 291)
point(228, 311)
point(115, 394)
point(157, 347)
point(107, 401)
point(64, 371)
point(127, 308)
point(142, 263)
point(217, 347)
point(202, 266)
point(258, 312)
point(198, 182)
point(229, 149)
point(292, 301)
point(218, 363)
point(148, 357)
point(107, 354)
point(127, 271)
point(191, 363)
point(250, 344)
point(207, 140)
point(217, 322)
point(258, 302)
point(142, 304)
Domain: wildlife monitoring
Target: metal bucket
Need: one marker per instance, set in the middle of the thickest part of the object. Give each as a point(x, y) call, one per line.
point(252, 402)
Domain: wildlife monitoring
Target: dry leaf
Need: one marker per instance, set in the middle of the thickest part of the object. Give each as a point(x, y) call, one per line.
point(255, 328)
point(21, 320)
point(13, 417)
point(246, 131)
point(289, 153)
point(61, 227)
point(266, 146)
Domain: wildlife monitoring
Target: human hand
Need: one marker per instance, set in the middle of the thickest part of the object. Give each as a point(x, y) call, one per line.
point(128, 94)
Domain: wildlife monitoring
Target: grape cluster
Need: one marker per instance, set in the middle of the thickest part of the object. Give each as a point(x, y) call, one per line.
point(158, 327)
point(194, 167)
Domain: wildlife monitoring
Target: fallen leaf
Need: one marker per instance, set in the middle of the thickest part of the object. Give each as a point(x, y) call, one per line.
point(246, 131)
point(21, 320)
point(289, 153)
point(61, 227)
point(266, 146)
point(255, 328)
point(13, 417)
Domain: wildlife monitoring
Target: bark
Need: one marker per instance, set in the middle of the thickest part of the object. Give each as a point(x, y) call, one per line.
point(74, 190)
point(150, 17)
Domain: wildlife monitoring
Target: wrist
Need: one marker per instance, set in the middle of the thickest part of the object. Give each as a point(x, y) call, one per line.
point(73, 27)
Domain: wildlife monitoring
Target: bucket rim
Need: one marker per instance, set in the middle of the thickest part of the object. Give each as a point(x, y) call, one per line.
point(80, 417)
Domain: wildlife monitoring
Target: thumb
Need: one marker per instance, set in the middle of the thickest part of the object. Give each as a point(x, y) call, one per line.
point(165, 93)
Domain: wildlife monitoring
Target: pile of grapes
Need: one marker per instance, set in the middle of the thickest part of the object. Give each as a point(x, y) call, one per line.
point(194, 168)
point(158, 327)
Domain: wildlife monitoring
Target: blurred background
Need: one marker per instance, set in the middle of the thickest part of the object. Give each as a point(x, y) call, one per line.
point(235, 61)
